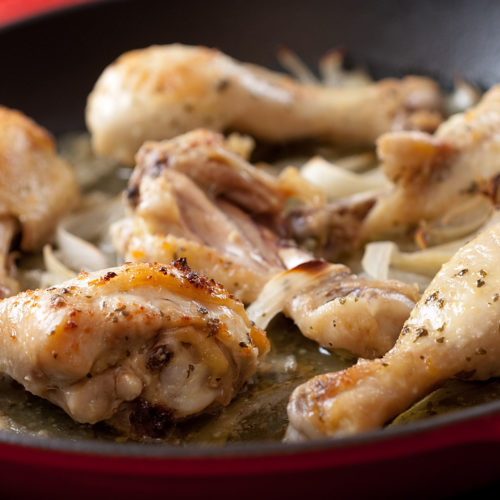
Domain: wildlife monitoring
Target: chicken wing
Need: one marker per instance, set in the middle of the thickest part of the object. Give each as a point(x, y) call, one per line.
point(37, 187)
point(336, 308)
point(174, 217)
point(433, 173)
point(163, 91)
point(156, 342)
point(206, 158)
point(192, 196)
point(452, 331)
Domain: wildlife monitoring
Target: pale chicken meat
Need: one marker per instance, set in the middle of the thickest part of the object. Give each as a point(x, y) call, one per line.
point(163, 91)
point(37, 187)
point(434, 173)
point(336, 308)
point(144, 344)
point(193, 197)
point(452, 332)
point(173, 217)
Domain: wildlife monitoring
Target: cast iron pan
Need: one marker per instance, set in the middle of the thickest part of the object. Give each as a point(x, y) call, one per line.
point(48, 66)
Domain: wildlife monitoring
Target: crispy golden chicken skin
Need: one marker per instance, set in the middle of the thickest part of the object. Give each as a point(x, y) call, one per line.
point(453, 331)
point(163, 91)
point(155, 343)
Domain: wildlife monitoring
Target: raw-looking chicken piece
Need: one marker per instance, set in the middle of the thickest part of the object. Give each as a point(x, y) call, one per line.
point(336, 308)
point(433, 173)
point(153, 342)
point(173, 217)
point(453, 331)
point(163, 91)
point(37, 187)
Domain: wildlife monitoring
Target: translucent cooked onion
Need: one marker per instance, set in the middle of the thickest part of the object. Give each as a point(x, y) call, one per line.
point(460, 221)
point(56, 270)
point(338, 182)
point(89, 168)
point(383, 260)
point(331, 67)
point(296, 66)
point(75, 234)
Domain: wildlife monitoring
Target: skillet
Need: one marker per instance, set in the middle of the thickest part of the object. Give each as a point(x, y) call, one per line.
point(49, 64)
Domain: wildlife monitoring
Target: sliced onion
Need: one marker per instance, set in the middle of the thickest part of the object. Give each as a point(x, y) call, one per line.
point(358, 162)
point(383, 260)
point(75, 233)
point(276, 294)
point(89, 168)
point(331, 67)
point(294, 64)
point(56, 270)
point(338, 182)
point(458, 222)
point(78, 253)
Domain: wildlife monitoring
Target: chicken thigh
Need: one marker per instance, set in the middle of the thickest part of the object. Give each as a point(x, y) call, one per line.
point(154, 342)
point(163, 91)
point(453, 331)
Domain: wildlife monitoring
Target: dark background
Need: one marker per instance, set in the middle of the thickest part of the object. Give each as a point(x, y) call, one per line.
point(47, 68)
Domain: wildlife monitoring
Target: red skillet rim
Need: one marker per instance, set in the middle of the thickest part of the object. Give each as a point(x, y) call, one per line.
point(481, 423)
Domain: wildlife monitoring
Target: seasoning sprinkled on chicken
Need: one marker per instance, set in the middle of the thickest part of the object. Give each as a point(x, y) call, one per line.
point(143, 343)
point(336, 308)
point(453, 331)
point(163, 91)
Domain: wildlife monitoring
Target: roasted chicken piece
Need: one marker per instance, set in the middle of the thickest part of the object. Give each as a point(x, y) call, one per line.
point(451, 332)
point(434, 173)
point(37, 188)
point(155, 343)
point(173, 217)
point(336, 308)
point(207, 158)
point(163, 91)
point(193, 197)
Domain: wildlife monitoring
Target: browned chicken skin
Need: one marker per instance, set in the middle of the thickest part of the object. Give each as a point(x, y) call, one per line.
point(140, 340)
point(163, 91)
